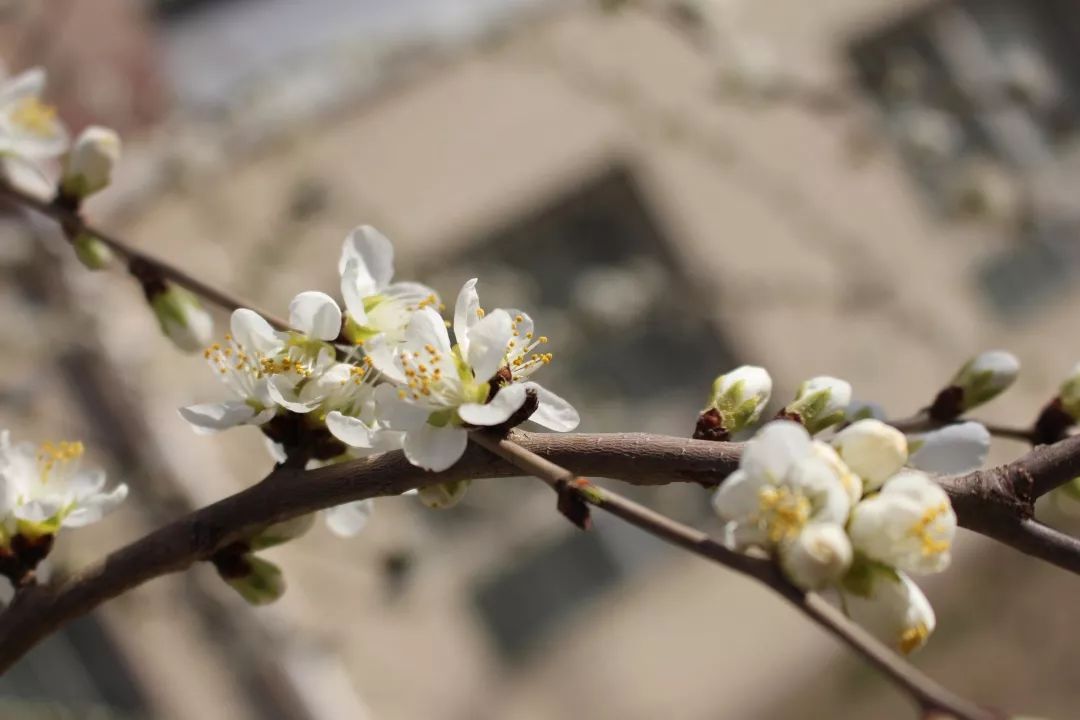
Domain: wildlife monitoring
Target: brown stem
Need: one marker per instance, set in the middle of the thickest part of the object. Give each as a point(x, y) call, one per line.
point(991, 502)
point(924, 689)
point(73, 223)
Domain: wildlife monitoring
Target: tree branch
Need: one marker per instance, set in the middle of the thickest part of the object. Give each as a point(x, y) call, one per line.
point(992, 502)
point(73, 224)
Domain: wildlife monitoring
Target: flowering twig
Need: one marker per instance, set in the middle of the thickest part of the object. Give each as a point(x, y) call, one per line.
point(930, 695)
point(73, 224)
point(987, 501)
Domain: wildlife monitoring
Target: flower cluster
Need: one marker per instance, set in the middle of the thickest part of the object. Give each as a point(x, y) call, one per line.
point(44, 488)
point(846, 514)
point(381, 373)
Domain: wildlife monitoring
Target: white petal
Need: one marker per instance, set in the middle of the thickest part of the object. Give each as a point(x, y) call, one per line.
point(385, 359)
point(553, 412)
point(466, 314)
point(349, 430)
point(435, 448)
point(349, 519)
point(30, 83)
point(506, 402)
point(488, 340)
point(896, 611)
point(954, 449)
point(253, 333)
point(356, 285)
point(426, 327)
point(93, 509)
point(210, 418)
point(373, 252)
point(281, 391)
point(316, 315)
point(397, 413)
point(774, 449)
point(737, 497)
point(817, 557)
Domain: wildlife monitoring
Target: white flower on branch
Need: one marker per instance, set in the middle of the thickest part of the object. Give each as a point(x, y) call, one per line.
point(889, 605)
point(46, 487)
point(820, 403)
point(374, 305)
point(29, 129)
point(958, 448)
point(873, 450)
point(89, 164)
point(909, 525)
point(782, 485)
point(440, 390)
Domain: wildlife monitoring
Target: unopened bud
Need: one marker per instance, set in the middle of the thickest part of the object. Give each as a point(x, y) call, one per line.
point(258, 581)
point(91, 251)
point(182, 318)
point(282, 532)
point(444, 495)
point(1070, 393)
point(873, 450)
point(737, 399)
point(980, 380)
point(89, 164)
point(817, 557)
point(821, 402)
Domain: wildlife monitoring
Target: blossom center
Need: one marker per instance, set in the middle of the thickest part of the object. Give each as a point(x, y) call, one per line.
point(52, 454)
point(34, 117)
point(783, 513)
point(522, 359)
point(927, 532)
point(913, 637)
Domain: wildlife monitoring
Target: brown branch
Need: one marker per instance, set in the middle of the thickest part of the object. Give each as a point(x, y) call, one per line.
point(73, 224)
point(993, 502)
point(929, 694)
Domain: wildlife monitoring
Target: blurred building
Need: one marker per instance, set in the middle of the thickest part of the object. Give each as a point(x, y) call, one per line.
point(665, 212)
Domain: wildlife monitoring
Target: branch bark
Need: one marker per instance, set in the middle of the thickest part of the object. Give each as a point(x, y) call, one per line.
point(995, 502)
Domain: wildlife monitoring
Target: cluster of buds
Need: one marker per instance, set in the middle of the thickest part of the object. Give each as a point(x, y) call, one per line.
point(45, 488)
point(846, 514)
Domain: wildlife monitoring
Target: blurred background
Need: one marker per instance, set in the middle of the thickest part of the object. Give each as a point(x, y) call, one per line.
point(874, 189)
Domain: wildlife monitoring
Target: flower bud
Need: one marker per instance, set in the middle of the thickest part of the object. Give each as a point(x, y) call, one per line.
point(980, 380)
point(282, 532)
point(888, 605)
point(1070, 393)
point(91, 251)
point(182, 318)
point(909, 525)
point(953, 449)
point(737, 399)
point(443, 495)
point(817, 557)
point(89, 164)
point(873, 450)
point(258, 581)
point(821, 402)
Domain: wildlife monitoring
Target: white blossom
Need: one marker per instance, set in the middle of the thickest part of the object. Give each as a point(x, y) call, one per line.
point(986, 376)
point(817, 557)
point(89, 164)
point(908, 525)
point(374, 305)
point(29, 129)
point(852, 483)
point(739, 396)
point(46, 487)
point(890, 606)
point(873, 450)
point(781, 486)
point(821, 402)
point(958, 448)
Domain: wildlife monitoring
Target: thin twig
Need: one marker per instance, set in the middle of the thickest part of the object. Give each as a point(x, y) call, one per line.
point(922, 422)
point(925, 690)
point(73, 223)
